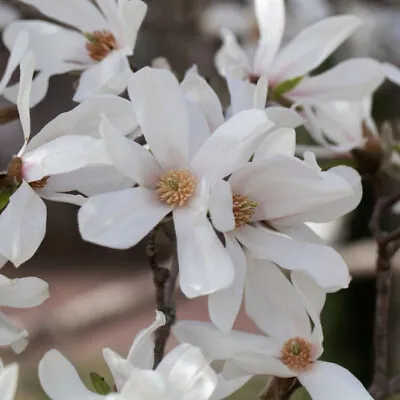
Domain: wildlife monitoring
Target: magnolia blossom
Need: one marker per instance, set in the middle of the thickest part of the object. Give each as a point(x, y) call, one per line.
point(350, 80)
point(19, 293)
point(8, 381)
point(291, 347)
point(101, 40)
point(183, 374)
point(174, 177)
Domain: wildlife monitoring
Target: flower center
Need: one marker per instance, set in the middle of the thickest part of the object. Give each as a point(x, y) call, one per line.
point(176, 187)
point(100, 44)
point(14, 175)
point(296, 354)
point(243, 209)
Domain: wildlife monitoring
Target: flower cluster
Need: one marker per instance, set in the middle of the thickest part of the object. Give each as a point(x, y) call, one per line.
point(234, 185)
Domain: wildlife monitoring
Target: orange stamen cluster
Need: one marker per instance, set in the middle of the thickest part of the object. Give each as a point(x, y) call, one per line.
point(296, 354)
point(100, 44)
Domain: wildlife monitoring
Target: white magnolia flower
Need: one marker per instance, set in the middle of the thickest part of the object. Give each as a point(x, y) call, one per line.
point(291, 347)
point(350, 80)
point(183, 374)
point(8, 381)
point(19, 293)
point(102, 38)
point(173, 177)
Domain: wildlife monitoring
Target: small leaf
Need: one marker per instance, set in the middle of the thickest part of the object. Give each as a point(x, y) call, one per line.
point(99, 383)
point(4, 198)
point(286, 86)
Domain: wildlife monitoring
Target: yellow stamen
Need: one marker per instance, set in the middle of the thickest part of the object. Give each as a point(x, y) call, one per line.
point(243, 209)
point(296, 354)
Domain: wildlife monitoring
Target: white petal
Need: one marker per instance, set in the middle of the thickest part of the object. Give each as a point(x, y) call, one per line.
point(392, 73)
point(273, 304)
point(160, 106)
point(224, 305)
point(237, 140)
point(283, 117)
point(199, 252)
point(11, 335)
point(18, 50)
point(199, 91)
point(23, 292)
point(227, 387)
point(141, 353)
point(351, 80)
point(242, 94)
point(216, 344)
point(121, 219)
point(330, 381)
point(120, 368)
point(85, 119)
point(281, 141)
point(129, 157)
point(221, 206)
point(143, 385)
point(271, 24)
point(8, 382)
point(22, 225)
point(61, 155)
point(323, 263)
point(109, 76)
point(75, 199)
point(81, 14)
point(312, 46)
point(56, 374)
point(261, 93)
point(3, 261)
point(231, 58)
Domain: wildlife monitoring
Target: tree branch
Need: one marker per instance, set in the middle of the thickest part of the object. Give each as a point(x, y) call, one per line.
point(279, 389)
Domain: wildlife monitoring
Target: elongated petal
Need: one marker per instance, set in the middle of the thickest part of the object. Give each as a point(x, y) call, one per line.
point(237, 139)
point(109, 76)
point(81, 14)
point(323, 263)
point(224, 305)
point(22, 225)
point(8, 382)
point(68, 198)
point(133, 13)
point(392, 72)
point(351, 80)
point(199, 252)
point(11, 335)
point(227, 387)
point(61, 155)
point(312, 46)
point(160, 106)
point(23, 292)
point(198, 90)
point(56, 374)
point(18, 50)
point(331, 382)
point(282, 141)
point(221, 206)
point(121, 219)
point(283, 117)
point(261, 93)
point(271, 24)
point(143, 385)
point(121, 369)
point(241, 93)
point(216, 344)
point(129, 157)
point(85, 119)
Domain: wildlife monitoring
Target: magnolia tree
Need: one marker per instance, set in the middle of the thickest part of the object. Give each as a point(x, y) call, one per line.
point(230, 189)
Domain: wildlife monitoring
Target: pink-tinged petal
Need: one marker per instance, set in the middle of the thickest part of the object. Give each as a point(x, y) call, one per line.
point(227, 387)
point(121, 219)
point(129, 157)
point(44, 41)
point(282, 141)
point(23, 292)
point(11, 335)
point(22, 225)
point(216, 344)
point(272, 302)
point(132, 13)
point(109, 76)
point(283, 117)
point(231, 59)
point(17, 51)
point(85, 119)
point(241, 93)
point(160, 106)
point(221, 206)
point(199, 91)
point(61, 155)
point(351, 80)
point(8, 382)
point(56, 374)
point(81, 14)
point(224, 305)
point(312, 46)
point(323, 263)
point(271, 24)
point(204, 264)
point(237, 140)
point(331, 382)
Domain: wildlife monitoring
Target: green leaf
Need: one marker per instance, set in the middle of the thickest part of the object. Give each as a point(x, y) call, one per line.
point(286, 86)
point(4, 198)
point(99, 383)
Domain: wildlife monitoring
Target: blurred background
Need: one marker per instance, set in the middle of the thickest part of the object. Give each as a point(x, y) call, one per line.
point(102, 297)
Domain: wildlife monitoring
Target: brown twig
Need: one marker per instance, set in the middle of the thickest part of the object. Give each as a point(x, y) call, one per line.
point(280, 389)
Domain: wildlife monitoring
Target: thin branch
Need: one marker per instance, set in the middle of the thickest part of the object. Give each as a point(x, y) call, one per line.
point(279, 389)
